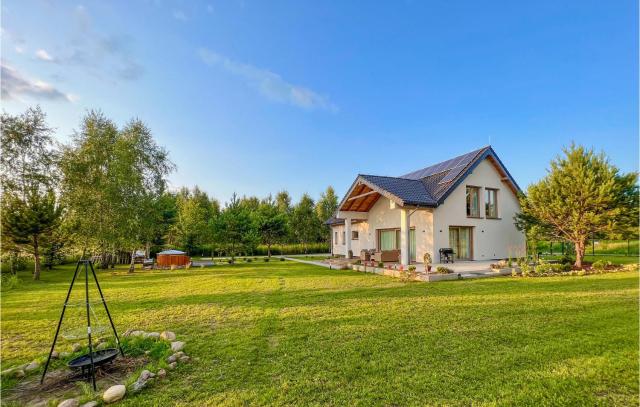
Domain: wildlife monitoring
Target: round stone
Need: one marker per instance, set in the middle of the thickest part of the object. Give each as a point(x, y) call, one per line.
point(32, 366)
point(162, 373)
point(69, 403)
point(55, 355)
point(168, 336)
point(90, 404)
point(173, 365)
point(76, 347)
point(177, 346)
point(152, 335)
point(114, 393)
point(145, 374)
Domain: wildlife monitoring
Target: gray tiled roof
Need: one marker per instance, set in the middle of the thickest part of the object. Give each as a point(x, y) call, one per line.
point(431, 185)
point(410, 191)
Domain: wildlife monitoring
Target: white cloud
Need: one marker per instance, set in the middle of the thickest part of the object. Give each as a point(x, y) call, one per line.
point(269, 84)
point(43, 55)
point(179, 15)
point(15, 86)
point(19, 49)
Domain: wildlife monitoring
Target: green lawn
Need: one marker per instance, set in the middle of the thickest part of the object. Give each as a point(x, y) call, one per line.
point(286, 333)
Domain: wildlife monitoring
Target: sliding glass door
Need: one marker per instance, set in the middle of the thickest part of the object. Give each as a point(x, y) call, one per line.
point(389, 239)
point(460, 239)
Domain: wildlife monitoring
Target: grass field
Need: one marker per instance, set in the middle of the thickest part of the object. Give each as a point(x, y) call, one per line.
point(285, 333)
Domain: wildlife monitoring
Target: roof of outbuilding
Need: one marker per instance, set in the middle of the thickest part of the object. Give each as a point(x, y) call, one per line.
point(431, 185)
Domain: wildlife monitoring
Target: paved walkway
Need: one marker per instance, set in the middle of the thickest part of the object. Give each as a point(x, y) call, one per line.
point(313, 262)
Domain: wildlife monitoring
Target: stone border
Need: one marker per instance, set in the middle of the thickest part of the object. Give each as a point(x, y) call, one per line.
point(432, 277)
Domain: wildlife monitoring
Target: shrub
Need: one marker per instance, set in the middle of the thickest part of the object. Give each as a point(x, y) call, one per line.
point(409, 274)
point(358, 262)
point(600, 265)
point(566, 259)
point(380, 264)
point(231, 261)
point(281, 258)
point(427, 258)
point(443, 270)
point(249, 260)
point(547, 268)
point(266, 259)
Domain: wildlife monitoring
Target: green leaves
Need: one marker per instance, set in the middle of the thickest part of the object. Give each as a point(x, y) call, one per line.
point(582, 194)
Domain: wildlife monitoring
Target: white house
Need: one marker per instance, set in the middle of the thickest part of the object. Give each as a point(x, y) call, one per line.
point(466, 204)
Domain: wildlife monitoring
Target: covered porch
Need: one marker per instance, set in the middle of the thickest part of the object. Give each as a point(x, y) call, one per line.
point(390, 228)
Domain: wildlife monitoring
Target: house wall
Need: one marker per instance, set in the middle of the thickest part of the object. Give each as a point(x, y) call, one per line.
point(381, 216)
point(492, 238)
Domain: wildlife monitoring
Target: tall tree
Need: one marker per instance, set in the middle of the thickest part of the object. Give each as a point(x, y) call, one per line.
point(28, 166)
point(112, 180)
point(582, 194)
point(271, 224)
point(305, 222)
point(234, 229)
point(283, 202)
point(325, 209)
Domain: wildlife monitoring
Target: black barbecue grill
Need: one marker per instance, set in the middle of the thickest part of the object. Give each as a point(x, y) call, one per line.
point(446, 255)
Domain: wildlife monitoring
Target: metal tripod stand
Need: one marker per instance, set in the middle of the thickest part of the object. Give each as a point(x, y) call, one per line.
point(86, 264)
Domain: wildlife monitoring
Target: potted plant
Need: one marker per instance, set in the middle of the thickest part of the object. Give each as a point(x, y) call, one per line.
point(427, 261)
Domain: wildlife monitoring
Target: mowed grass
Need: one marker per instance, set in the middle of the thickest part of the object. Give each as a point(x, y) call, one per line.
point(285, 333)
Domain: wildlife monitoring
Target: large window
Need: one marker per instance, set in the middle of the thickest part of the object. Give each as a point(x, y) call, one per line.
point(389, 239)
point(473, 202)
point(354, 235)
point(491, 203)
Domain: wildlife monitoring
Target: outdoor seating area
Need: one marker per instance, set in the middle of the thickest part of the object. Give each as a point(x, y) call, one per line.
point(380, 255)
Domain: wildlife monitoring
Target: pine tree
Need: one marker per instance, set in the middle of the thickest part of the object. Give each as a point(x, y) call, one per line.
point(582, 195)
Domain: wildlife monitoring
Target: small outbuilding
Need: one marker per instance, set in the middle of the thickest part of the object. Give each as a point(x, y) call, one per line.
point(170, 258)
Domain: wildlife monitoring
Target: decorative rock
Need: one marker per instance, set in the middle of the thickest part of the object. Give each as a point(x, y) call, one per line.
point(76, 347)
point(32, 366)
point(65, 354)
point(114, 393)
point(177, 346)
point(147, 352)
point(162, 373)
point(179, 354)
point(69, 403)
point(152, 375)
point(15, 371)
point(145, 375)
point(90, 404)
point(55, 355)
point(127, 332)
point(184, 359)
point(172, 359)
point(173, 365)
point(137, 385)
point(137, 333)
point(168, 336)
point(152, 335)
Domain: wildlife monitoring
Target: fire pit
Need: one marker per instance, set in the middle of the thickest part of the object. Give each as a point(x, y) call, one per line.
point(99, 358)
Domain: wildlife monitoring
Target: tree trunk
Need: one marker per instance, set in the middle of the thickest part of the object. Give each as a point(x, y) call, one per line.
point(36, 255)
point(132, 265)
point(579, 253)
point(269, 250)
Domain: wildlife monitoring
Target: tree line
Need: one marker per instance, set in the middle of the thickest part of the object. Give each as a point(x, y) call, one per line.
point(104, 194)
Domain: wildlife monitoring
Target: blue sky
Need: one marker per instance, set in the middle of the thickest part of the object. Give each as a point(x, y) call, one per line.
point(254, 97)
